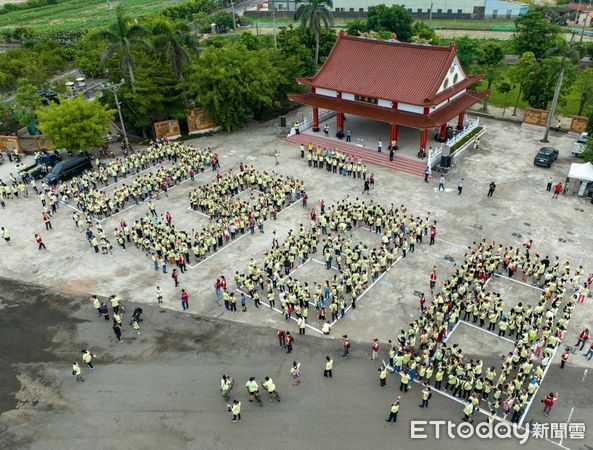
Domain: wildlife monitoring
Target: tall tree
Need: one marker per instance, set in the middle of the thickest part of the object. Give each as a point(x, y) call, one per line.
point(314, 15)
point(520, 72)
point(584, 84)
point(538, 89)
point(122, 35)
point(504, 87)
point(467, 50)
point(396, 19)
point(535, 33)
point(76, 123)
point(174, 42)
point(490, 57)
point(424, 33)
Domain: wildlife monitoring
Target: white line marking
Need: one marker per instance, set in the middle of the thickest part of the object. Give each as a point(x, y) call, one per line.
point(517, 281)
point(451, 332)
point(323, 264)
point(131, 176)
point(198, 212)
point(584, 375)
point(567, 422)
point(281, 312)
point(349, 307)
point(465, 247)
point(487, 331)
point(239, 238)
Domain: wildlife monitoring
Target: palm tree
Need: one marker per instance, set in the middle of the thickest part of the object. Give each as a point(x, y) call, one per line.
point(123, 34)
point(313, 15)
point(174, 42)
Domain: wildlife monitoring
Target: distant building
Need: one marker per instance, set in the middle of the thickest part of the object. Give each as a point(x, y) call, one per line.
point(421, 9)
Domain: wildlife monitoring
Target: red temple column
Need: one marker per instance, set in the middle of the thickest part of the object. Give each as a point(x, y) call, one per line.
point(443, 133)
point(461, 119)
point(315, 119)
point(393, 132)
point(340, 120)
point(423, 138)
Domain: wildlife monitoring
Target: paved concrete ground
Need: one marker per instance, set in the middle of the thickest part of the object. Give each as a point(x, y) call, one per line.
point(169, 396)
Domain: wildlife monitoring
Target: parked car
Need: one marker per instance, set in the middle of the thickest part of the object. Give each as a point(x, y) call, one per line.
point(579, 145)
point(545, 157)
point(68, 168)
point(44, 163)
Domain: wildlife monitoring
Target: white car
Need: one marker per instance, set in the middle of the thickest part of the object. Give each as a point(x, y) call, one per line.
point(579, 145)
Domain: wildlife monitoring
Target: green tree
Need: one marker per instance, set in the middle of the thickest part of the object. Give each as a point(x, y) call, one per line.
point(122, 35)
point(356, 27)
point(538, 90)
point(9, 120)
point(26, 103)
point(535, 33)
point(77, 124)
point(467, 51)
point(504, 87)
point(233, 83)
point(291, 44)
point(424, 34)
point(584, 84)
point(396, 19)
point(175, 42)
point(490, 58)
point(520, 72)
point(314, 15)
point(587, 154)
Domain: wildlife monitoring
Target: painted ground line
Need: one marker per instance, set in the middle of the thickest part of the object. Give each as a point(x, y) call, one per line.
point(129, 207)
point(323, 264)
point(481, 410)
point(567, 422)
point(349, 307)
point(488, 331)
point(281, 312)
point(538, 386)
point(198, 212)
point(121, 180)
point(466, 247)
point(239, 238)
point(451, 332)
point(517, 281)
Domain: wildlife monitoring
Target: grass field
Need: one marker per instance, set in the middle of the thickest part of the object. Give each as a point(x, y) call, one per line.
point(76, 14)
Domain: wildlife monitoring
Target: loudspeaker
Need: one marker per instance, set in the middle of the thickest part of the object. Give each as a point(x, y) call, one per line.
point(282, 121)
point(446, 161)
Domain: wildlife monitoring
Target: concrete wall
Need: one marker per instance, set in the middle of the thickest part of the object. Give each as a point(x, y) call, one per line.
point(420, 9)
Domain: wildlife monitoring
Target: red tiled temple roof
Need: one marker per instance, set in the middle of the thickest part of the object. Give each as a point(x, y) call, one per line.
point(439, 117)
point(389, 70)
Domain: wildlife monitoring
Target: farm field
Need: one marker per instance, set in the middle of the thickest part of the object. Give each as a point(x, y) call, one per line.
point(76, 14)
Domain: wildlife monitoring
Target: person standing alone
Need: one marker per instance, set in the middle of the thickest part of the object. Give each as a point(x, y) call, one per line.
point(460, 187)
point(393, 411)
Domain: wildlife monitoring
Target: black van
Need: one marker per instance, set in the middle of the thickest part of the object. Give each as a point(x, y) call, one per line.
point(68, 168)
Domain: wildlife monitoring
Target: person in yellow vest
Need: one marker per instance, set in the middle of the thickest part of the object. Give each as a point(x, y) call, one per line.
point(468, 409)
point(76, 371)
point(236, 410)
point(393, 410)
point(87, 357)
point(5, 235)
point(405, 381)
point(382, 376)
point(329, 365)
point(426, 395)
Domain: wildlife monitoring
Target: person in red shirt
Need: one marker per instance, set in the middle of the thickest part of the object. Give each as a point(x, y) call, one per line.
point(313, 215)
point(433, 278)
point(47, 222)
point(168, 218)
point(184, 300)
point(175, 276)
point(375, 349)
point(549, 402)
point(289, 341)
point(39, 241)
point(564, 357)
point(422, 302)
point(557, 190)
point(281, 338)
point(583, 338)
point(433, 234)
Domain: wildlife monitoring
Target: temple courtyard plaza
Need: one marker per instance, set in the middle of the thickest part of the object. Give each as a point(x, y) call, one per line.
point(160, 388)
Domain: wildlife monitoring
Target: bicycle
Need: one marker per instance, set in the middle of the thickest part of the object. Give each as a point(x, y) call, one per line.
point(274, 395)
point(258, 399)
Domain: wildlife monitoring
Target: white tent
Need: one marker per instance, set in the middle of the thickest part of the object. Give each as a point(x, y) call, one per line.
point(581, 171)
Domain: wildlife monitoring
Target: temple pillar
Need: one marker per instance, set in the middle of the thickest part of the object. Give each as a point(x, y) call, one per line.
point(393, 132)
point(340, 121)
point(423, 138)
point(443, 133)
point(461, 120)
point(315, 119)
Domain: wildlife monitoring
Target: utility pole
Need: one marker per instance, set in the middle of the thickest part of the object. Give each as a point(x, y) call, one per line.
point(430, 13)
point(274, 20)
point(114, 88)
point(587, 12)
point(556, 95)
point(233, 13)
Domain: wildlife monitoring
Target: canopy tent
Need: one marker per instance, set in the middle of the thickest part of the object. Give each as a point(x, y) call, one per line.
point(581, 171)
